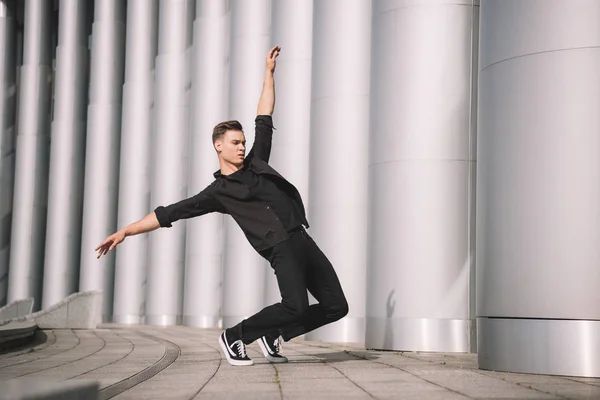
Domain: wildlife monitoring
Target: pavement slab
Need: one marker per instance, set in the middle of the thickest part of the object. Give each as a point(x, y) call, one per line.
point(151, 362)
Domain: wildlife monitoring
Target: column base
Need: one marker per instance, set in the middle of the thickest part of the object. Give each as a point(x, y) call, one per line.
point(163, 320)
point(420, 334)
point(202, 321)
point(539, 346)
point(346, 330)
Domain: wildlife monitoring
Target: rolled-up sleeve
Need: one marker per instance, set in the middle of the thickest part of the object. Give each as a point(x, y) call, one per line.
point(195, 206)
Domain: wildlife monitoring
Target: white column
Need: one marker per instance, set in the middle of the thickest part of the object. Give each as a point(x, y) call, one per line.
point(170, 159)
point(339, 152)
point(134, 175)
point(67, 154)
point(243, 290)
point(538, 188)
point(103, 146)
point(419, 170)
point(205, 236)
point(292, 30)
point(8, 95)
point(33, 156)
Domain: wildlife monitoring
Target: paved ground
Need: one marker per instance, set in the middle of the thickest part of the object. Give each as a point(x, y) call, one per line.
point(145, 362)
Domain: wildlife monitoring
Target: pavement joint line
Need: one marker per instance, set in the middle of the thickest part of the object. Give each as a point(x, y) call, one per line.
point(67, 362)
point(212, 376)
point(46, 356)
point(477, 371)
point(277, 380)
point(517, 384)
point(172, 352)
point(585, 383)
point(402, 369)
point(338, 370)
point(28, 349)
point(110, 363)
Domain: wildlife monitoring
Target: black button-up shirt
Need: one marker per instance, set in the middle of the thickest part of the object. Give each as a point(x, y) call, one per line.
point(263, 203)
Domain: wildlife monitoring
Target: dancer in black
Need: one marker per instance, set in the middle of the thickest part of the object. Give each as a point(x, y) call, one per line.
point(271, 214)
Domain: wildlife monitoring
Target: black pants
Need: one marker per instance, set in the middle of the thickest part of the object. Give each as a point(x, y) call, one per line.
point(299, 265)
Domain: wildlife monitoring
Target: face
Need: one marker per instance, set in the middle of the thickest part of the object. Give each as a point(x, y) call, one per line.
point(232, 147)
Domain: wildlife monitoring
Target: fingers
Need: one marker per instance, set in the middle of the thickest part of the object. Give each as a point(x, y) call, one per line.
point(274, 52)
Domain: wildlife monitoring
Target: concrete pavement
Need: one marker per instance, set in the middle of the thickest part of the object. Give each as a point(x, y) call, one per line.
point(148, 362)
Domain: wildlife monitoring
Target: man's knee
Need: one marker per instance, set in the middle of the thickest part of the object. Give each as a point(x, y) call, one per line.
point(338, 310)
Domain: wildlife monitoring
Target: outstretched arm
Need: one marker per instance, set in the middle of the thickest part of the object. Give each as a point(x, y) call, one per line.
point(266, 104)
point(146, 224)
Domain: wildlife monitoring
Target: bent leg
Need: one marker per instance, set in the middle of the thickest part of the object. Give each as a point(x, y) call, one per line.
point(324, 285)
point(289, 265)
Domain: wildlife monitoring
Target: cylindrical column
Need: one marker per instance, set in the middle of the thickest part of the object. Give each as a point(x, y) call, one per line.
point(8, 95)
point(250, 42)
point(33, 155)
point(134, 177)
point(339, 152)
point(103, 145)
point(67, 154)
point(538, 188)
point(170, 162)
point(292, 30)
point(419, 170)
point(205, 236)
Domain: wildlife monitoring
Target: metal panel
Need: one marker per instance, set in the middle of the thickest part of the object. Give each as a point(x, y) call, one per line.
point(134, 175)
point(203, 290)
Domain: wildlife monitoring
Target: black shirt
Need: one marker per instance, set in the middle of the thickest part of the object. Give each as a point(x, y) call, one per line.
point(263, 203)
point(265, 190)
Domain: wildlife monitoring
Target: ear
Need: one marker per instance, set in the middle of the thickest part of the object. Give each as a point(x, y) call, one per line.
point(218, 145)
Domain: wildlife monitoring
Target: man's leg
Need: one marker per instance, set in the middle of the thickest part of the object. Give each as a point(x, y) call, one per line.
point(324, 285)
point(289, 260)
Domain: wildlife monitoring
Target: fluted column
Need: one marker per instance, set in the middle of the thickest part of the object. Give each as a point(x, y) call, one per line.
point(205, 236)
point(244, 276)
point(103, 146)
point(170, 159)
point(538, 188)
point(8, 94)
point(67, 154)
point(292, 30)
point(420, 169)
point(33, 156)
point(339, 152)
point(134, 176)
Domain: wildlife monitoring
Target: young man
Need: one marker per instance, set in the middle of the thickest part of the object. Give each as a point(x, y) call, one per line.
point(270, 212)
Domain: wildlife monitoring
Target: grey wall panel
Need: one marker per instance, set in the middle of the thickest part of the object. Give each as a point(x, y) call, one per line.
point(8, 95)
point(205, 235)
point(33, 155)
point(339, 140)
point(170, 159)
point(538, 194)
point(244, 270)
point(419, 220)
point(134, 175)
point(292, 30)
point(103, 146)
point(67, 154)
point(538, 186)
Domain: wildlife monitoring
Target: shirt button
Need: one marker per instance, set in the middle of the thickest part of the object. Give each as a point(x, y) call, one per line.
point(268, 207)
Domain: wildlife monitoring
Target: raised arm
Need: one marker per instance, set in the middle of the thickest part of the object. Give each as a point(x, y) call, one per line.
point(266, 104)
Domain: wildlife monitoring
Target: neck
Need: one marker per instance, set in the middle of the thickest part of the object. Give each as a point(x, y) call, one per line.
point(228, 168)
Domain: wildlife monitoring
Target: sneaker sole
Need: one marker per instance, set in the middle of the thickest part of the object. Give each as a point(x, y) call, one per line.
point(268, 356)
point(230, 360)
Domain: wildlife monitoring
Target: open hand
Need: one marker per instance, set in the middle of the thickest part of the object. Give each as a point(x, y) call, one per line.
point(110, 243)
point(273, 53)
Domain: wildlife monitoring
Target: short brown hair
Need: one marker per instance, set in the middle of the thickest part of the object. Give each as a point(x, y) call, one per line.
point(223, 127)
